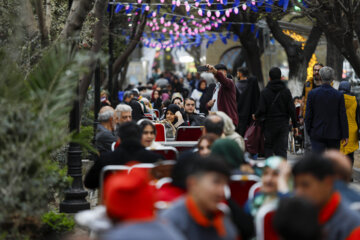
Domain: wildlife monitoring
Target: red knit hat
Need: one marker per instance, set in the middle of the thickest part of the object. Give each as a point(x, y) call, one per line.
point(129, 196)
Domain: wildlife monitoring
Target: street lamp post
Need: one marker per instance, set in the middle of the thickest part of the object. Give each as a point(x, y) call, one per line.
point(75, 196)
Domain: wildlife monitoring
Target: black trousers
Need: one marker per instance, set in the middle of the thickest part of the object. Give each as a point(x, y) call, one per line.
point(320, 145)
point(242, 125)
point(276, 139)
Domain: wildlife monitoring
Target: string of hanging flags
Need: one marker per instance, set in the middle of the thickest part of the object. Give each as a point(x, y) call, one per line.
point(188, 30)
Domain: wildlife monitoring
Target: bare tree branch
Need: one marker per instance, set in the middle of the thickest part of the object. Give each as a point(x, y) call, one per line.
point(41, 21)
point(26, 16)
point(312, 42)
point(99, 12)
point(132, 44)
point(79, 10)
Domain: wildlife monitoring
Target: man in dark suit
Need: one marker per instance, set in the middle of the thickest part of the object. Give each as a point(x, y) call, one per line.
point(326, 120)
point(130, 149)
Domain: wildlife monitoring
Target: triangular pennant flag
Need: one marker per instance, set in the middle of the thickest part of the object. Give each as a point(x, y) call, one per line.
point(158, 8)
point(173, 19)
point(225, 2)
point(260, 2)
point(252, 28)
point(228, 26)
point(242, 28)
point(129, 9)
point(286, 3)
point(143, 8)
point(118, 8)
point(235, 37)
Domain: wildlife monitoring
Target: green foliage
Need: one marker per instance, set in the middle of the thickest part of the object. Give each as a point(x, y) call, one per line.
point(34, 123)
point(58, 222)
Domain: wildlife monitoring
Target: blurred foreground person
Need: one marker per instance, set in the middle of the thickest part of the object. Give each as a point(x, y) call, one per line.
point(197, 215)
point(129, 201)
point(274, 179)
point(343, 172)
point(214, 124)
point(205, 143)
point(314, 180)
point(296, 219)
point(230, 151)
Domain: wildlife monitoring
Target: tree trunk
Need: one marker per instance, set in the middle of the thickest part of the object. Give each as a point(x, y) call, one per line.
point(298, 56)
point(100, 10)
point(249, 42)
point(48, 15)
point(26, 17)
point(334, 59)
point(239, 61)
point(297, 75)
point(42, 24)
point(339, 21)
point(134, 40)
point(78, 12)
point(252, 56)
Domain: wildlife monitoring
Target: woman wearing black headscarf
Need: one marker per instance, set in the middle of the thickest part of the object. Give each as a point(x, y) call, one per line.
point(173, 119)
point(198, 92)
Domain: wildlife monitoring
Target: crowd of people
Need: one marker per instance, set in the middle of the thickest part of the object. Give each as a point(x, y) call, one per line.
point(312, 199)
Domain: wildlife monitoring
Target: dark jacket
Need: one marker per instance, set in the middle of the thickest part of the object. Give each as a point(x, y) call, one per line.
point(193, 119)
point(206, 97)
point(276, 104)
point(103, 139)
point(137, 112)
point(157, 105)
point(326, 114)
point(226, 101)
point(247, 97)
point(127, 151)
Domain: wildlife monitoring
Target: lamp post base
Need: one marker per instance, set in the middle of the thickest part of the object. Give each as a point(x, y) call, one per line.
point(74, 201)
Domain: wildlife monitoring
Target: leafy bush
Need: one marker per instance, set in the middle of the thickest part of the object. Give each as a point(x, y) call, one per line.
point(58, 222)
point(34, 124)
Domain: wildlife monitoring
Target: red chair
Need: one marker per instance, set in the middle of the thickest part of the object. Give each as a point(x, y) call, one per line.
point(188, 133)
point(157, 113)
point(160, 132)
point(169, 153)
point(263, 222)
point(254, 189)
point(240, 186)
point(166, 193)
point(149, 116)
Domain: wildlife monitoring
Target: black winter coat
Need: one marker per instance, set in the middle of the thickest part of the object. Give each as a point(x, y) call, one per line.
point(280, 110)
